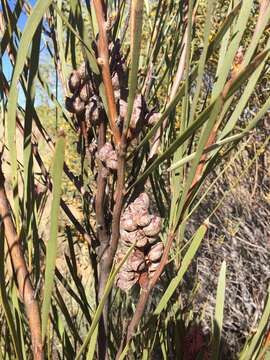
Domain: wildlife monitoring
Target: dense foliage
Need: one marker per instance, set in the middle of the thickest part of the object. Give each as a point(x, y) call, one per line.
point(126, 128)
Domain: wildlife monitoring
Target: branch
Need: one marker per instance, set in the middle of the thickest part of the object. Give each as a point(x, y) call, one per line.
point(103, 61)
point(21, 273)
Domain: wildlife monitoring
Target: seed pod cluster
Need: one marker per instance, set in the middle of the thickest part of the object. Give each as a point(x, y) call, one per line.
point(138, 226)
point(108, 156)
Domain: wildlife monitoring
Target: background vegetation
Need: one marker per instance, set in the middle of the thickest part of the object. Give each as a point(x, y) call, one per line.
point(200, 71)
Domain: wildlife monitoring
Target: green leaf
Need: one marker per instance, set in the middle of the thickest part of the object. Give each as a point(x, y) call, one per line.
point(194, 246)
point(57, 170)
point(30, 28)
point(4, 300)
point(218, 320)
point(101, 304)
point(136, 29)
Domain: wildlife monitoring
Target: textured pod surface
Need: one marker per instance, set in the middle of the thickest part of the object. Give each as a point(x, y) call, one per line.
point(126, 285)
point(82, 70)
point(143, 219)
point(104, 152)
point(74, 81)
point(153, 118)
point(142, 201)
point(137, 261)
point(137, 236)
point(156, 252)
point(154, 227)
point(85, 92)
point(153, 267)
point(127, 222)
point(111, 161)
point(75, 105)
point(127, 275)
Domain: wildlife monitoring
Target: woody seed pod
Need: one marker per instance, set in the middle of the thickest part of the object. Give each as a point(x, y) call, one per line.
point(137, 261)
point(126, 275)
point(82, 70)
point(155, 252)
point(153, 118)
point(136, 113)
point(75, 105)
point(143, 219)
point(111, 161)
point(130, 238)
point(127, 222)
point(115, 81)
point(85, 92)
point(126, 285)
point(142, 201)
point(153, 267)
point(154, 227)
point(74, 81)
point(123, 107)
point(103, 153)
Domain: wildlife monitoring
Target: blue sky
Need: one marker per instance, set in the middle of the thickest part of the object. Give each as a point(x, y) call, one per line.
point(6, 65)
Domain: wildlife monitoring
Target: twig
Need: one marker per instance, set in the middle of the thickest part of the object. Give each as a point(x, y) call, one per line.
point(103, 61)
point(21, 273)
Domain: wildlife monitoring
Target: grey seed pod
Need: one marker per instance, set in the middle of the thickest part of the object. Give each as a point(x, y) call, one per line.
point(152, 240)
point(75, 105)
point(126, 285)
point(130, 238)
point(154, 227)
point(136, 113)
point(126, 275)
point(123, 107)
point(111, 161)
point(142, 201)
point(117, 94)
point(85, 92)
point(156, 252)
point(153, 267)
point(115, 82)
point(137, 261)
point(143, 219)
point(127, 222)
point(92, 111)
point(104, 151)
point(82, 70)
point(153, 118)
point(74, 81)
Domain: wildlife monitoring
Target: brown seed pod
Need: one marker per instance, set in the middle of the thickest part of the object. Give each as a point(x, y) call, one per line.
point(104, 152)
point(156, 252)
point(154, 227)
point(92, 111)
point(130, 238)
point(142, 202)
point(137, 261)
point(75, 105)
point(143, 218)
point(115, 82)
point(74, 81)
point(126, 275)
point(123, 107)
point(85, 92)
point(153, 118)
point(153, 267)
point(111, 161)
point(82, 70)
point(152, 240)
point(136, 113)
point(126, 285)
point(127, 222)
